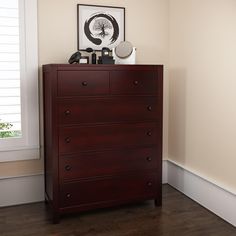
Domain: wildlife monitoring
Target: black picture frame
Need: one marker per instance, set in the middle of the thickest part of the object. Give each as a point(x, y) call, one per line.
point(100, 26)
point(84, 60)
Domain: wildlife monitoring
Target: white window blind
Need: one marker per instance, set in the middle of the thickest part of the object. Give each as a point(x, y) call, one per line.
point(19, 115)
point(10, 89)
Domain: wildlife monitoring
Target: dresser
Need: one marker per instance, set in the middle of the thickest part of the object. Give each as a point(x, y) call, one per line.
point(102, 135)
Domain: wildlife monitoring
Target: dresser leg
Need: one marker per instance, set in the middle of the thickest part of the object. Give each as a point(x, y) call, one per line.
point(56, 218)
point(46, 201)
point(158, 202)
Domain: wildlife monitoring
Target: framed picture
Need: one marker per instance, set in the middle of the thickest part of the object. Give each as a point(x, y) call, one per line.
point(100, 26)
point(84, 60)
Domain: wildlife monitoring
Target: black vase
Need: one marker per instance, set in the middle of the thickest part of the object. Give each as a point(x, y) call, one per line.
point(94, 58)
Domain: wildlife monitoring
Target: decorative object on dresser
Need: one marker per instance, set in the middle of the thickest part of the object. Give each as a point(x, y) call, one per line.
point(75, 58)
point(100, 26)
point(102, 135)
point(106, 57)
point(93, 56)
point(124, 53)
point(84, 60)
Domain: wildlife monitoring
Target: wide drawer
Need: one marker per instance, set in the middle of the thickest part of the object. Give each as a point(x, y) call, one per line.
point(108, 163)
point(134, 82)
point(79, 83)
point(109, 189)
point(74, 111)
point(76, 139)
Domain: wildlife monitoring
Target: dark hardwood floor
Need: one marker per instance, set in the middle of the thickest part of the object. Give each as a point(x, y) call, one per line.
point(179, 216)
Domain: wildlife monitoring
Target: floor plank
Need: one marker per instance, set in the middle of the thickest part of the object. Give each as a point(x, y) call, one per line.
point(179, 216)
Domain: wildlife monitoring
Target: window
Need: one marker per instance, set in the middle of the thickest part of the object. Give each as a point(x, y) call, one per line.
point(10, 107)
point(19, 115)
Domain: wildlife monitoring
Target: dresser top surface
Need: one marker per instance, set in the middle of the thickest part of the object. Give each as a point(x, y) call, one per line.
point(106, 67)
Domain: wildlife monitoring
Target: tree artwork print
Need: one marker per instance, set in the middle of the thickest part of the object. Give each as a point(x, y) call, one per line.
point(100, 27)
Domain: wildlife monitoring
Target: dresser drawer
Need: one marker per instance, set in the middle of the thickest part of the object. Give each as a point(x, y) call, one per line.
point(133, 82)
point(107, 110)
point(107, 163)
point(79, 83)
point(76, 139)
point(109, 189)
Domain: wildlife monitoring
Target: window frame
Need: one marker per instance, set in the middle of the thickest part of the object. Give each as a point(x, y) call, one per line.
point(27, 146)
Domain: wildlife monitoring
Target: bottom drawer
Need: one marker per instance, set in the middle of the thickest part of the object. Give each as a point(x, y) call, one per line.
point(119, 188)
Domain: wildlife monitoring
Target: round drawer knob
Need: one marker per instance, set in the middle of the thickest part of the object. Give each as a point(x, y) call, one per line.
point(149, 108)
point(84, 83)
point(149, 133)
point(67, 167)
point(67, 112)
point(68, 140)
point(149, 184)
point(136, 82)
point(149, 159)
point(68, 195)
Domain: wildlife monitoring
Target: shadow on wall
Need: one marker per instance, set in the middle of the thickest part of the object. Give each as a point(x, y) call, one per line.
point(177, 116)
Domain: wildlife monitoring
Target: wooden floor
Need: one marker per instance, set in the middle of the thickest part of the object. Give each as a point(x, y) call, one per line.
point(179, 216)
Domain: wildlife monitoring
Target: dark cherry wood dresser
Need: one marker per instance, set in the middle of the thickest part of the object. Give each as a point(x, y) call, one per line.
point(102, 135)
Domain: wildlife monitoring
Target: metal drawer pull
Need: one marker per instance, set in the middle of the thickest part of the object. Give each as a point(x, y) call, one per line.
point(149, 133)
point(149, 184)
point(136, 82)
point(149, 159)
point(84, 83)
point(68, 195)
point(149, 108)
point(67, 112)
point(67, 140)
point(67, 167)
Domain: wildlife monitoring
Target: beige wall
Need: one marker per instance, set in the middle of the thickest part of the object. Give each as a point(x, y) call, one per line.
point(21, 168)
point(202, 67)
point(146, 28)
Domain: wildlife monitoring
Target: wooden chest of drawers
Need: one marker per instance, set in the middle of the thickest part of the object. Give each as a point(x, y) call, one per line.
point(102, 135)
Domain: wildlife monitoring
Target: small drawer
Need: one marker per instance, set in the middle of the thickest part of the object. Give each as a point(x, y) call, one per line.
point(76, 139)
point(108, 163)
point(117, 188)
point(81, 83)
point(109, 110)
point(134, 82)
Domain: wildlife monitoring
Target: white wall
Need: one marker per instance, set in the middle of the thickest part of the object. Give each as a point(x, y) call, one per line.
point(202, 111)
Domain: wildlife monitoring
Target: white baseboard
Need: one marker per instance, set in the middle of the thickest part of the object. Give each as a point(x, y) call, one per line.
point(209, 195)
point(21, 190)
point(164, 172)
